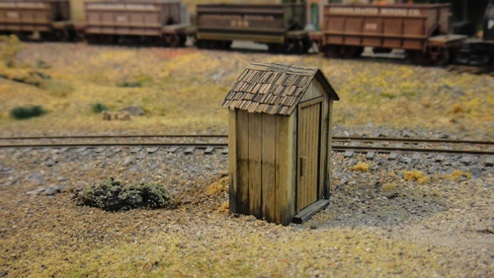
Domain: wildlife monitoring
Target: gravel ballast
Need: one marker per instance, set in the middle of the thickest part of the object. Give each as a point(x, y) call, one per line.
point(378, 223)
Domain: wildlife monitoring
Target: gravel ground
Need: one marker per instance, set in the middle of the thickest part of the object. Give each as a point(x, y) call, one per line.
point(382, 221)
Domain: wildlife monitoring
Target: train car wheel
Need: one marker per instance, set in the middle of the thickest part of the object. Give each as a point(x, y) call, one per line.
point(181, 40)
point(333, 51)
point(172, 40)
point(443, 58)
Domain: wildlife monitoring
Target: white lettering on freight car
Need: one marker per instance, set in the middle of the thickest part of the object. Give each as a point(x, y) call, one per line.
point(12, 15)
point(371, 26)
point(354, 10)
point(131, 7)
point(375, 11)
point(30, 5)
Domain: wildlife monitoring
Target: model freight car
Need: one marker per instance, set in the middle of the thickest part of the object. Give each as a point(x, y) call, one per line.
point(158, 22)
point(421, 30)
point(45, 19)
point(480, 51)
point(279, 26)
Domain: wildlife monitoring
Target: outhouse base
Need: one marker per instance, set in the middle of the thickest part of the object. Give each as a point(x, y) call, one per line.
point(309, 211)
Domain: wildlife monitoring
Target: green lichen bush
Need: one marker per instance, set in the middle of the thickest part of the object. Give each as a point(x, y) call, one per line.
point(113, 195)
point(98, 107)
point(22, 113)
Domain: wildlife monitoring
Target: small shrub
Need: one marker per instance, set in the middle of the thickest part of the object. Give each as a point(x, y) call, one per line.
point(21, 113)
point(125, 84)
point(361, 166)
point(113, 195)
point(98, 107)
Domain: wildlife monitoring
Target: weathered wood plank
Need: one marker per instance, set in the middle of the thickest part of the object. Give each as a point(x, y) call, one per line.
point(268, 167)
point(309, 211)
point(232, 160)
point(285, 170)
point(323, 182)
point(243, 162)
point(327, 188)
point(255, 156)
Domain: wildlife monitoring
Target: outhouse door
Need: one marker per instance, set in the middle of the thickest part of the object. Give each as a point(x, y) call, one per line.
point(309, 129)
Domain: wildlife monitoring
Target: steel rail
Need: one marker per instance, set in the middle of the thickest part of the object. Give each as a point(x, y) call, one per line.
point(335, 138)
point(113, 136)
point(410, 140)
point(133, 144)
point(224, 145)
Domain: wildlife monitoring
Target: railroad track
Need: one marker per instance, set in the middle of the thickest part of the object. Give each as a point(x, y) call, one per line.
point(210, 143)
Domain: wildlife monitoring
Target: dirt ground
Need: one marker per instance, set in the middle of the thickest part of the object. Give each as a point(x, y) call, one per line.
point(379, 224)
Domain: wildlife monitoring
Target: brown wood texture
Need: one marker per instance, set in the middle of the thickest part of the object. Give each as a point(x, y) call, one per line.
point(327, 188)
point(232, 160)
point(255, 174)
point(243, 205)
point(308, 153)
point(285, 169)
point(268, 161)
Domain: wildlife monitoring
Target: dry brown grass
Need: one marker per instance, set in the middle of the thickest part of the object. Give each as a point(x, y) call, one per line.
point(361, 166)
point(415, 175)
point(182, 89)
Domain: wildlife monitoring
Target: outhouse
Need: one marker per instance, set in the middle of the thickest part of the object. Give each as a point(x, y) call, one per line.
point(279, 132)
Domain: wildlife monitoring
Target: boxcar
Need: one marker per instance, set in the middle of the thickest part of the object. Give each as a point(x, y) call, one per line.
point(161, 22)
point(420, 30)
point(279, 26)
point(48, 19)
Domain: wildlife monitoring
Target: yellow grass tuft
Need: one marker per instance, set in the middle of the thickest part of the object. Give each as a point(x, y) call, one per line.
point(224, 207)
point(457, 108)
point(388, 187)
point(217, 187)
point(457, 174)
point(361, 166)
point(416, 175)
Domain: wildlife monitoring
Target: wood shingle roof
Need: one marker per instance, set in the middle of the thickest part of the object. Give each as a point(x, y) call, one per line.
point(273, 88)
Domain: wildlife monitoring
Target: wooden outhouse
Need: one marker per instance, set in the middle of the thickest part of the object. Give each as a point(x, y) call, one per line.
point(279, 142)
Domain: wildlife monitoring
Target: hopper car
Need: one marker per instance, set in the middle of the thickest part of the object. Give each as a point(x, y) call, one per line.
point(422, 31)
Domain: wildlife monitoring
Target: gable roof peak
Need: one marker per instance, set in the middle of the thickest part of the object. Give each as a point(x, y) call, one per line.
point(273, 88)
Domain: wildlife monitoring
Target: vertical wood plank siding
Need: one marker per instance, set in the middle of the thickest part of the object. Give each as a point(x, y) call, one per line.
point(243, 162)
point(232, 159)
point(268, 164)
point(255, 174)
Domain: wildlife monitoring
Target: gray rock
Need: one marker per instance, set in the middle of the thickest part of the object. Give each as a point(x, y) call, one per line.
point(128, 161)
point(152, 150)
point(466, 160)
point(52, 190)
point(36, 191)
point(36, 179)
point(489, 162)
point(134, 110)
point(4, 273)
point(61, 179)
